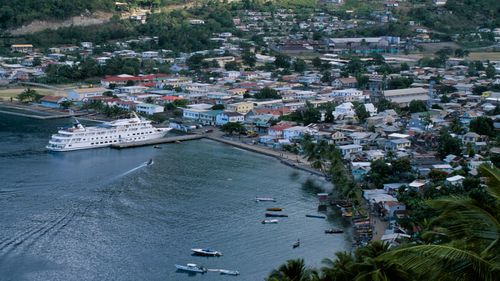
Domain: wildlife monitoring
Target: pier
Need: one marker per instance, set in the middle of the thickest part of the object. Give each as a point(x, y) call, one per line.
point(40, 117)
point(157, 141)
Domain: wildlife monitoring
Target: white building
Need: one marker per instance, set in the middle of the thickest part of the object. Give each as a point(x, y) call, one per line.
point(132, 89)
point(344, 110)
point(229, 117)
point(296, 132)
point(148, 108)
point(349, 149)
point(347, 95)
point(84, 93)
point(370, 108)
point(149, 54)
point(403, 97)
point(455, 180)
point(193, 113)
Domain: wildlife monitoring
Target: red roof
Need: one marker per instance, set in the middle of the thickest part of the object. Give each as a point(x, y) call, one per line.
point(170, 98)
point(278, 112)
point(280, 127)
point(51, 99)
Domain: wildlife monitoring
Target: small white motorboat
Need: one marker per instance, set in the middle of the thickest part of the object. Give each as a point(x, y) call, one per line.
point(150, 162)
point(229, 272)
point(191, 267)
point(296, 244)
point(264, 199)
point(269, 221)
point(206, 252)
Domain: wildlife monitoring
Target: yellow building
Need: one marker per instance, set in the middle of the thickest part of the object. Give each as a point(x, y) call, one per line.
point(240, 107)
point(22, 48)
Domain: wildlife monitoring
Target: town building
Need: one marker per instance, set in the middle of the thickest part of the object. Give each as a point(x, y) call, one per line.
point(403, 97)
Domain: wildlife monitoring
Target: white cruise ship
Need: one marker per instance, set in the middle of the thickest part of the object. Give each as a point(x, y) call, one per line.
point(119, 131)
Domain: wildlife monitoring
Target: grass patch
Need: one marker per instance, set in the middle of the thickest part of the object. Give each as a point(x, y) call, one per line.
point(484, 56)
point(7, 93)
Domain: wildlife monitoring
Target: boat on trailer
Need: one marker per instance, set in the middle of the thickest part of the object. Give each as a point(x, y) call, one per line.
point(206, 252)
point(265, 199)
point(270, 215)
point(191, 267)
point(316, 216)
point(334, 230)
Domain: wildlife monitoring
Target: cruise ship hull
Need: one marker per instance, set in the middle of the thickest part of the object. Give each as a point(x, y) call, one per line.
point(82, 146)
point(120, 131)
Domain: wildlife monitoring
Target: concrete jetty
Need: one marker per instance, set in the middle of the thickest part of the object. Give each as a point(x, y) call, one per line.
point(156, 141)
point(34, 116)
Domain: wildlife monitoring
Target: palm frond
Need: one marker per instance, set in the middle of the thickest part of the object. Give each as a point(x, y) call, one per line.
point(443, 260)
point(493, 175)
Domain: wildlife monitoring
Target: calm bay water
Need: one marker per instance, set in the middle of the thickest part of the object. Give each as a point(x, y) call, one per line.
point(103, 215)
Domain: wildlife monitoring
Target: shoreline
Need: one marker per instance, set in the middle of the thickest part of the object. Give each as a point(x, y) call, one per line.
point(265, 151)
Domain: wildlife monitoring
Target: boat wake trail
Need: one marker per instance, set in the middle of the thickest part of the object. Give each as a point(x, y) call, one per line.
point(30, 236)
point(131, 170)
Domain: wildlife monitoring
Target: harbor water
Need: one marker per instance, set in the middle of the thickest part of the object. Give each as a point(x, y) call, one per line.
point(103, 214)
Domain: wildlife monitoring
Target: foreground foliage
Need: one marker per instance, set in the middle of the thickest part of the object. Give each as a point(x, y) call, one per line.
point(461, 243)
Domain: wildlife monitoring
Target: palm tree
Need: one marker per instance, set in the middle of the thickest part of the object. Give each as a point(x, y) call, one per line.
point(339, 269)
point(372, 250)
point(374, 269)
point(292, 270)
point(473, 229)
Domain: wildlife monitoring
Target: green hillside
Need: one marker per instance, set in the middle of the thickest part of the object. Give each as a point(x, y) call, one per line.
point(20, 12)
point(458, 15)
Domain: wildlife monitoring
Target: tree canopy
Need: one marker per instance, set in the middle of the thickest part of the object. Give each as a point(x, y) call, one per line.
point(267, 93)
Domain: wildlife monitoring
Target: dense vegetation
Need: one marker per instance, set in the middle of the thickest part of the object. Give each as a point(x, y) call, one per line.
point(458, 239)
point(459, 15)
point(172, 28)
point(18, 12)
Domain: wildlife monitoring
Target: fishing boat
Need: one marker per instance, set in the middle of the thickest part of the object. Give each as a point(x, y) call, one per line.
point(334, 230)
point(296, 244)
point(206, 252)
point(269, 221)
point(264, 199)
point(229, 272)
point(191, 267)
point(316, 216)
point(270, 215)
point(274, 209)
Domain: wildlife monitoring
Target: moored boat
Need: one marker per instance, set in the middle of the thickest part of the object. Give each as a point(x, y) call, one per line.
point(269, 221)
point(265, 199)
point(206, 252)
point(334, 230)
point(191, 267)
point(316, 216)
point(270, 215)
point(274, 209)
